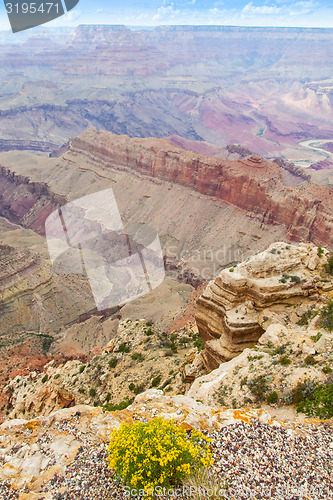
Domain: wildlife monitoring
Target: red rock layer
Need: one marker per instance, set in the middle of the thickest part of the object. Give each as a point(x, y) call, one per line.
point(253, 185)
point(25, 202)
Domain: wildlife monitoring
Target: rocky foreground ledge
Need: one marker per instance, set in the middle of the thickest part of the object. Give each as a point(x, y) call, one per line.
point(64, 455)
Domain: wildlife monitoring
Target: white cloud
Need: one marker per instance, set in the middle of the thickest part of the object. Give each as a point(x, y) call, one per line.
point(71, 18)
point(262, 10)
point(296, 9)
point(167, 14)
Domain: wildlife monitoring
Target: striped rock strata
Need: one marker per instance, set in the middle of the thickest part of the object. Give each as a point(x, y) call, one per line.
point(236, 308)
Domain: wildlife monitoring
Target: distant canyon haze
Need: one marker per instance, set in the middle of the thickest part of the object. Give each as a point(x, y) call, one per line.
point(268, 89)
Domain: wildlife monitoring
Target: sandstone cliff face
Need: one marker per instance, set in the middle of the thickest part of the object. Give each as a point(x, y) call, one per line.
point(26, 202)
point(232, 311)
point(200, 234)
point(195, 202)
point(33, 298)
point(252, 184)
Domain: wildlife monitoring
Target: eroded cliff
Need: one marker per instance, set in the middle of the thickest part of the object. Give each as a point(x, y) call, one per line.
point(250, 184)
point(234, 309)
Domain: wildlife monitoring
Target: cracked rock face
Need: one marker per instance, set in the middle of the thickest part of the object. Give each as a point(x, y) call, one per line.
point(231, 313)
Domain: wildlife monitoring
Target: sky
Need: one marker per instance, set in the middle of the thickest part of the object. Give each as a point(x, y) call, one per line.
point(303, 13)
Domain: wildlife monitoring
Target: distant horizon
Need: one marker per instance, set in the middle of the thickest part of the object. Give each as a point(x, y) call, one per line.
point(53, 27)
point(155, 13)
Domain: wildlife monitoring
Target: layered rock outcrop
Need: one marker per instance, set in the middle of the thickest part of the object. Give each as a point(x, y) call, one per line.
point(251, 184)
point(236, 307)
point(35, 299)
point(285, 361)
point(26, 202)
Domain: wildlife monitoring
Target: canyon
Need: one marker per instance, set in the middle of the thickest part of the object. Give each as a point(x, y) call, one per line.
point(210, 213)
point(55, 418)
point(255, 187)
point(203, 134)
point(267, 89)
point(159, 184)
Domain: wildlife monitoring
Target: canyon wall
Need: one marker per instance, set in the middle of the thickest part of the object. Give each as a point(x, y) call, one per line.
point(26, 202)
point(250, 184)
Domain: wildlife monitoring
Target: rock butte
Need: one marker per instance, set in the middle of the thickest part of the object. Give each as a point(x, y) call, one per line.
point(234, 309)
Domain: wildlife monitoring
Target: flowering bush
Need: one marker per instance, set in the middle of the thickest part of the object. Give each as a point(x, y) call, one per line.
point(157, 453)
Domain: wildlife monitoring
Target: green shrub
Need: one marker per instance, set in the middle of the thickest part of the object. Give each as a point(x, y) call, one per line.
point(82, 368)
point(306, 317)
point(259, 386)
point(279, 350)
point(317, 337)
point(327, 369)
point(273, 250)
point(198, 342)
point(286, 397)
point(173, 347)
point(137, 389)
point(295, 279)
point(137, 356)
point(47, 341)
point(320, 251)
point(156, 381)
point(231, 270)
point(272, 397)
point(285, 360)
point(310, 360)
point(92, 393)
point(157, 453)
point(329, 264)
point(120, 406)
point(113, 362)
point(124, 347)
point(149, 332)
point(44, 379)
point(326, 316)
point(303, 390)
point(320, 404)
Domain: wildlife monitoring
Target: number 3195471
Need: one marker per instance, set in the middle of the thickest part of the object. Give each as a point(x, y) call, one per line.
point(32, 8)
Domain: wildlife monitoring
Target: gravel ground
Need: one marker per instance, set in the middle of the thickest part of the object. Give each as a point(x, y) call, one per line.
point(265, 462)
point(258, 461)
